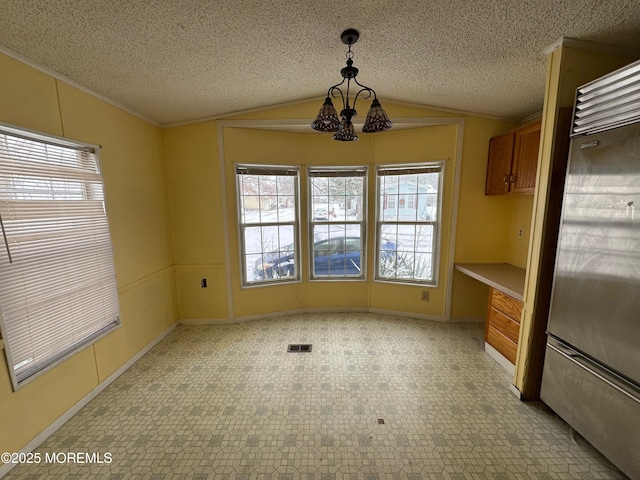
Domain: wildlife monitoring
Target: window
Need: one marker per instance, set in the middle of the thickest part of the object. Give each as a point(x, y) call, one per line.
point(268, 206)
point(407, 230)
point(58, 291)
point(337, 212)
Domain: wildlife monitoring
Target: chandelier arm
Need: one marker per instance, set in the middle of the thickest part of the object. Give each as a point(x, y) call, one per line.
point(335, 86)
point(332, 92)
point(364, 87)
point(369, 92)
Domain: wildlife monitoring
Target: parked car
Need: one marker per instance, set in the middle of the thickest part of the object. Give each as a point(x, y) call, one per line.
point(280, 264)
point(333, 256)
point(320, 214)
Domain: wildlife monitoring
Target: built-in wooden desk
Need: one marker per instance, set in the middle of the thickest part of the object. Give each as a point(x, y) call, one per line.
point(505, 308)
point(501, 276)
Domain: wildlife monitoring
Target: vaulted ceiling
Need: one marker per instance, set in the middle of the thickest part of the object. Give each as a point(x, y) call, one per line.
point(174, 61)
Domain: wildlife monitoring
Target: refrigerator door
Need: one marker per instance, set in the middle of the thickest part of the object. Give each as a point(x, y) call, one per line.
point(602, 408)
point(596, 294)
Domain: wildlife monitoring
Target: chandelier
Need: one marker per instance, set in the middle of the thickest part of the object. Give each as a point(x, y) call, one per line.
point(327, 119)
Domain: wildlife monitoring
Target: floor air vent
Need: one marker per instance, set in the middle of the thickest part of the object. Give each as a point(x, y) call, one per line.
point(298, 347)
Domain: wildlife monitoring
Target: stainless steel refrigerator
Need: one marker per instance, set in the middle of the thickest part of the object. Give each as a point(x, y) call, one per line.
point(591, 375)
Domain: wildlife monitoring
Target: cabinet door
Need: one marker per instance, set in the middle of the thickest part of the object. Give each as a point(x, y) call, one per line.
point(499, 164)
point(525, 159)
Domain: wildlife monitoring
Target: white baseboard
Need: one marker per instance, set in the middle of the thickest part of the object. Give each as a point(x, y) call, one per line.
point(419, 316)
point(51, 429)
point(502, 361)
point(468, 319)
point(249, 318)
point(515, 391)
point(205, 321)
point(337, 310)
point(506, 364)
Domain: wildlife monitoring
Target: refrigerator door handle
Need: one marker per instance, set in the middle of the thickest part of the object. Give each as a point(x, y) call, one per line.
point(564, 350)
point(581, 361)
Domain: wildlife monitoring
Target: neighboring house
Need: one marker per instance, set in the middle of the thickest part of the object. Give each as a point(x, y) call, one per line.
point(264, 195)
point(408, 201)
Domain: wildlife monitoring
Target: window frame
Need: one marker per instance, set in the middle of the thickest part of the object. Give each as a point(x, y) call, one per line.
point(276, 170)
point(356, 171)
point(35, 218)
point(402, 169)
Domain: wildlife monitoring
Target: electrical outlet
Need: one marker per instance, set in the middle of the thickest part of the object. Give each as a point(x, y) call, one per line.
point(425, 296)
point(521, 232)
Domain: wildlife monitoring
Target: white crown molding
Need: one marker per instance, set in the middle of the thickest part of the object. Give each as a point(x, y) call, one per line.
point(453, 111)
point(62, 78)
point(532, 117)
point(230, 115)
point(276, 122)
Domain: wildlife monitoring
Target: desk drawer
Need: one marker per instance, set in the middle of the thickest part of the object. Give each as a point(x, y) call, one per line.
point(505, 325)
point(498, 340)
point(508, 305)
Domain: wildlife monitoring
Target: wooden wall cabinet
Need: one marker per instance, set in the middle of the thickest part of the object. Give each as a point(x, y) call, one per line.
point(503, 324)
point(513, 161)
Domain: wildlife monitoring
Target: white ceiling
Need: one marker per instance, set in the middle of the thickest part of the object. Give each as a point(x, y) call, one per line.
point(175, 61)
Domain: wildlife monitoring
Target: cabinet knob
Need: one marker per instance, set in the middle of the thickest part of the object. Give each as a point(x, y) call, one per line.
point(505, 179)
point(513, 178)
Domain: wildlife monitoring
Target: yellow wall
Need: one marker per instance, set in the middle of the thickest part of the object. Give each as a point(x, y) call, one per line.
point(197, 215)
point(195, 203)
point(135, 189)
point(520, 217)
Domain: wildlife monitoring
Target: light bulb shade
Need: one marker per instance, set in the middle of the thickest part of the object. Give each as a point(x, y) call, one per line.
point(377, 120)
point(327, 119)
point(346, 132)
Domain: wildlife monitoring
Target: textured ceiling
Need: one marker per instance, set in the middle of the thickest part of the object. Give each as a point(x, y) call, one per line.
point(176, 61)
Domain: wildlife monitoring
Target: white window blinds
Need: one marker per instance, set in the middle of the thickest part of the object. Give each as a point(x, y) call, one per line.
point(58, 289)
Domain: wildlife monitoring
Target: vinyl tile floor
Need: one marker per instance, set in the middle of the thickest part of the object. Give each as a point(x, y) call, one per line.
point(378, 397)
